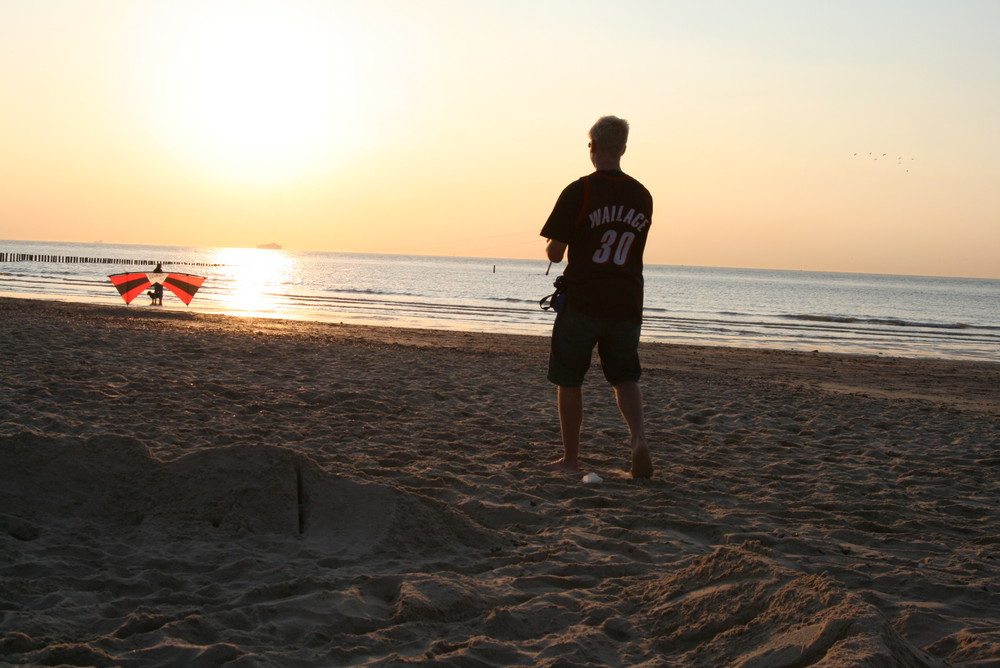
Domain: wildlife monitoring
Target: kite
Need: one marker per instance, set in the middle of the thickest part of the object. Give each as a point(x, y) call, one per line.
point(131, 285)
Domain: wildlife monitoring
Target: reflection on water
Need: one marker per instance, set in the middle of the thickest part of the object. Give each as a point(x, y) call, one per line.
point(252, 281)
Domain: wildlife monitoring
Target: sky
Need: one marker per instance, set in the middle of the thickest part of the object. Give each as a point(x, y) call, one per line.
point(855, 136)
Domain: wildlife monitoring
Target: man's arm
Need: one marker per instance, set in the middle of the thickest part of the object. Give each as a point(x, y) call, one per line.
point(555, 250)
point(561, 221)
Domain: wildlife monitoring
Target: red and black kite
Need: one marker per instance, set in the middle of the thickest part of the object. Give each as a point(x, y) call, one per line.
point(131, 285)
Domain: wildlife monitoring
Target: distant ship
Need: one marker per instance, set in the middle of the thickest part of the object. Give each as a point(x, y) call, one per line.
point(270, 246)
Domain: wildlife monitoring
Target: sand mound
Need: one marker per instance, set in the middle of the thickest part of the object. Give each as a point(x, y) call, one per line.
point(741, 607)
point(113, 483)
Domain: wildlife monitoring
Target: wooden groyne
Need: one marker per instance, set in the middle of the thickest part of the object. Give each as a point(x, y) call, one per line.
point(75, 259)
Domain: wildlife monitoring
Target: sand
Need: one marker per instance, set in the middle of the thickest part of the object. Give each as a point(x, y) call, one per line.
point(197, 490)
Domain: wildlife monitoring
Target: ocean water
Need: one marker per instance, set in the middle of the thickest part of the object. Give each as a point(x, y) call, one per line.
point(908, 316)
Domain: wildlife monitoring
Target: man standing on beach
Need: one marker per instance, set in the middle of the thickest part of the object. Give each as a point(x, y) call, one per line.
point(603, 220)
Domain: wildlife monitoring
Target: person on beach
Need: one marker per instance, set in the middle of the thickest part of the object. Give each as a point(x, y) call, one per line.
point(602, 220)
point(156, 294)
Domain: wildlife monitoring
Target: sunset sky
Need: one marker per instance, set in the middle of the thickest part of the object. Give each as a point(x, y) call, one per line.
point(795, 134)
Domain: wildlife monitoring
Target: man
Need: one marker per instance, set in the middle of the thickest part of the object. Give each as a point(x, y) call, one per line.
point(603, 220)
point(156, 294)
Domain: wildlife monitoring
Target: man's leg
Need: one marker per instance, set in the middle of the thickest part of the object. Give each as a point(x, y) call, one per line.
point(629, 398)
point(570, 400)
point(573, 341)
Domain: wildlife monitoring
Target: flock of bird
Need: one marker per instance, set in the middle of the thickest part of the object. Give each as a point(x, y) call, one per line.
point(875, 156)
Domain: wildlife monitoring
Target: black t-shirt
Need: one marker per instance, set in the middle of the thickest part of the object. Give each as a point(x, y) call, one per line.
point(604, 218)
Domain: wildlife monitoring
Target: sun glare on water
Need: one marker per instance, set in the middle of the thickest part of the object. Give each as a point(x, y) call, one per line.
point(253, 278)
point(256, 91)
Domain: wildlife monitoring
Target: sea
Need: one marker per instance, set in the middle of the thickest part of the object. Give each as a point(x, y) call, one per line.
point(869, 314)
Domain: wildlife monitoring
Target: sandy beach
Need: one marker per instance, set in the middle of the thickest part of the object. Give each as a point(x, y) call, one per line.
point(197, 490)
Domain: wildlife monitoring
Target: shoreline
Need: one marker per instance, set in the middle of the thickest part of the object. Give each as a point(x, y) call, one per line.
point(962, 383)
point(183, 488)
point(408, 317)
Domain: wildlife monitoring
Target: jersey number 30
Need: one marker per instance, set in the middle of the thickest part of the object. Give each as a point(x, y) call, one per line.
point(614, 247)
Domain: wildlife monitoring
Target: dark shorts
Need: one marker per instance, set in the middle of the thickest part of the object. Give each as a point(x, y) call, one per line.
point(574, 336)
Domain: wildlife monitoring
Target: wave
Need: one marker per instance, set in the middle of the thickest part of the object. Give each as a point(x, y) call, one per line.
point(891, 322)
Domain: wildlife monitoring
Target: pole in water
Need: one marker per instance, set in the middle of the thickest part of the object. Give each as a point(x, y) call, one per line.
point(547, 269)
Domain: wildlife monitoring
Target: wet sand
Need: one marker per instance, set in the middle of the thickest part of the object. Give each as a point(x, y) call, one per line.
point(180, 489)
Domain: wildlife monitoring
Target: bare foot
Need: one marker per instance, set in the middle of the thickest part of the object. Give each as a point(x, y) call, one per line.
point(642, 465)
point(561, 465)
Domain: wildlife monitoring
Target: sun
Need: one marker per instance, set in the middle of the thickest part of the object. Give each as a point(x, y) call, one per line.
point(259, 91)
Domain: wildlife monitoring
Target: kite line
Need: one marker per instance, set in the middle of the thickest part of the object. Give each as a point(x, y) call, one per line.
point(73, 259)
